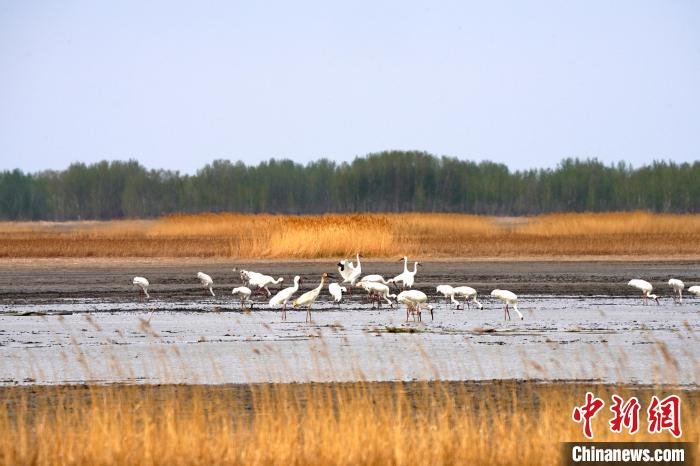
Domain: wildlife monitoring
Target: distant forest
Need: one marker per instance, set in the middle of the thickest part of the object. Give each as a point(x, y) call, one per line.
point(383, 182)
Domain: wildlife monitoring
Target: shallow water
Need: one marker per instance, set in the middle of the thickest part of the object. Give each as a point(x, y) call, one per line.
point(209, 340)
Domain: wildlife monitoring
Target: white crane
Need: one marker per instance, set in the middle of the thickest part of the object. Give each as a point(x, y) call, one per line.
point(677, 287)
point(245, 275)
point(645, 287)
point(448, 292)
point(406, 277)
point(258, 281)
point(694, 290)
point(337, 291)
point(308, 298)
point(206, 281)
point(349, 271)
point(377, 291)
point(374, 278)
point(284, 295)
point(414, 299)
point(264, 281)
point(508, 298)
point(243, 293)
point(142, 283)
point(469, 295)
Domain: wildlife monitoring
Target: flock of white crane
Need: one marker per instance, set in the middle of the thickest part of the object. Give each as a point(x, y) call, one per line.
point(677, 287)
point(378, 290)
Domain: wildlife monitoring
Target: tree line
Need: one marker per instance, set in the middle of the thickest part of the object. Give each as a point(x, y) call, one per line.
point(393, 181)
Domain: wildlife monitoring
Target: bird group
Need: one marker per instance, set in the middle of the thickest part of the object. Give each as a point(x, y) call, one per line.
point(398, 289)
point(676, 286)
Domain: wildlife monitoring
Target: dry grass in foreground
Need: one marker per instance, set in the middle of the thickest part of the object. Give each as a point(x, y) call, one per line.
point(359, 423)
point(635, 234)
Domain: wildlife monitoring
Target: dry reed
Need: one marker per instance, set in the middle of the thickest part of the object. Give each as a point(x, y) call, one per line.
point(635, 234)
point(358, 423)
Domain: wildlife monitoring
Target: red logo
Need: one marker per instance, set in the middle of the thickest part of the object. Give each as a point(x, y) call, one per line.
point(665, 415)
point(661, 415)
point(626, 414)
point(586, 412)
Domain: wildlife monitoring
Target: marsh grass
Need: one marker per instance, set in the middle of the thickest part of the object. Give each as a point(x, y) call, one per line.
point(353, 423)
point(635, 234)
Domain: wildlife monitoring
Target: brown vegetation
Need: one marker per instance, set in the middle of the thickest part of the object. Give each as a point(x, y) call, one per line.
point(636, 234)
point(358, 423)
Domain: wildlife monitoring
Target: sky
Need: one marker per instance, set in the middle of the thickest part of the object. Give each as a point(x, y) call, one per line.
point(178, 84)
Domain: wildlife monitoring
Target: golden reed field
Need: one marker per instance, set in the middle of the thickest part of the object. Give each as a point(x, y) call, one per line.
point(634, 234)
point(358, 423)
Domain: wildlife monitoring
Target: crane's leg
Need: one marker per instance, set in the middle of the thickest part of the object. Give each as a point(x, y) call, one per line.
point(680, 296)
point(284, 311)
point(431, 315)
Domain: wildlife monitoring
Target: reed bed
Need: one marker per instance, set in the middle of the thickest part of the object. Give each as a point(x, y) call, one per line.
point(635, 234)
point(355, 423)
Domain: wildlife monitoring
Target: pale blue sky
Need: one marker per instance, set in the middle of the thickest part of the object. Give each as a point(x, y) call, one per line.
point(176, 85)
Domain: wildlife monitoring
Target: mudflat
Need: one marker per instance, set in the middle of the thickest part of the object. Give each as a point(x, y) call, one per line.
point(39, 280)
